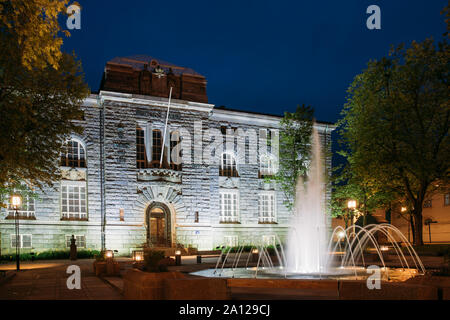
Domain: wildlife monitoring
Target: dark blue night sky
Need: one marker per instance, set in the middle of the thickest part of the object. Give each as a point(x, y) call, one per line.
point(263, 56)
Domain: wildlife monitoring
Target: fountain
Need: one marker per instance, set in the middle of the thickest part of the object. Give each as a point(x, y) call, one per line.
point(312, 252)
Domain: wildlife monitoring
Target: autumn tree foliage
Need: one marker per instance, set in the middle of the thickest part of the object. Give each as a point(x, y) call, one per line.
point(41, 91)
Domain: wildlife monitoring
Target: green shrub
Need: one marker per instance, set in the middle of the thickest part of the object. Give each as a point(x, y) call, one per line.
point(51, 255)
point(152, 260)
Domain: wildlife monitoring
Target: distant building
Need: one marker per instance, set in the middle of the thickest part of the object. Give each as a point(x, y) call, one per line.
point(123, 181)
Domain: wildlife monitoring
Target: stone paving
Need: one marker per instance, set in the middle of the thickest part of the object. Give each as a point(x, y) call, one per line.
point(47, 281)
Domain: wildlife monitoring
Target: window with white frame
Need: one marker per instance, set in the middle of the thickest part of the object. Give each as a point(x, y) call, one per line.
point(267, 165)
point(229, 205)
point(73, 200)
point(228, 165)
point(26, 209)
point(231, 241)
point(24, 241)
point(73, 155)
point(268, 240)
point(266, 206)
point(80, 241)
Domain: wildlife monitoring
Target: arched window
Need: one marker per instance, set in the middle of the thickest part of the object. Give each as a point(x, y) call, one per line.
point(228, 165)
point(73, 154)
point(267, 165)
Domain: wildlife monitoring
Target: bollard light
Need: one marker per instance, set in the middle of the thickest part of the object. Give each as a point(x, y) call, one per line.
point(178, 258)
point(403, 209)
point(255, 251)
point(109, 254)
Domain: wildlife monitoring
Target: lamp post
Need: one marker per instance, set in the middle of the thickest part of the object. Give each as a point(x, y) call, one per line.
point(351, 205)
point(16, 201)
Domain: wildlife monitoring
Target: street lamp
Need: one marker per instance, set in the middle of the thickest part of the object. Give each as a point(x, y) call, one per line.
point(351, 205)
point(16, 202)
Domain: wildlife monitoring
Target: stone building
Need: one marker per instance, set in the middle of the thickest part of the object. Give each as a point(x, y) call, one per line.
point(131, 179)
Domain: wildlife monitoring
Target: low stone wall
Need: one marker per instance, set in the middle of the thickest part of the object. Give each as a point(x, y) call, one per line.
point(175, 286)
point(357, 290)
point(139, 285)
point(196, 289)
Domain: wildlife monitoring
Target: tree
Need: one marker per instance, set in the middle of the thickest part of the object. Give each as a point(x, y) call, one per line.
point(349, 184)
point(294, 146)
point(396, 123)
point(41, 91)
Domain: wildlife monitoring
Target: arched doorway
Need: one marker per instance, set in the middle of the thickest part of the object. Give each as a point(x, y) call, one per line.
point(158, 225)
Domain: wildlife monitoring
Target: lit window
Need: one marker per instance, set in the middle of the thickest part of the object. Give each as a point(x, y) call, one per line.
point(26, 210)
point(231, 241)
point(268, 240)
point(73, 202)
point(228, 165)
point(80, 241)
point(266, 206)
point(73, 155)
point(229, 207)
point(24, 241)
point(447, 199)
point(427, 204)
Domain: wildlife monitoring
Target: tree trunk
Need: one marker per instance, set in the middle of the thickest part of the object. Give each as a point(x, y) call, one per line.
point(418, 226)
point(411, 224)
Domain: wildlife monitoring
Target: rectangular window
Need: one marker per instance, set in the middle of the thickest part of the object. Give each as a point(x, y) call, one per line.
point(427, 204)
point(24, 241)
point(80, 241)
point(141, 156)
point(156, 147)
point(229, 207)
point(266, 206)
point(268, 240)
point(231, 241)
point(73, 202)
point(26, 210)
point(447, 199)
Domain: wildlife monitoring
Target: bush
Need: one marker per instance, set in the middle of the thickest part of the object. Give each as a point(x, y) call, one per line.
point(152, 260)
point(51, 255)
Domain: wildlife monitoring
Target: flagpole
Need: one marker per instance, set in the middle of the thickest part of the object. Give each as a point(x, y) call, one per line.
point(165, 129)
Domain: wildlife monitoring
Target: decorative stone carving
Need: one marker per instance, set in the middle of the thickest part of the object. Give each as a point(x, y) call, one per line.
point(229, 182)
point(156, 174)
point(74, 174)
point(161, 193)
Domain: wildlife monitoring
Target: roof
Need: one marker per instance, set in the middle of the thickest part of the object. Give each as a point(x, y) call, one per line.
point(266, 114)
point(139, 61)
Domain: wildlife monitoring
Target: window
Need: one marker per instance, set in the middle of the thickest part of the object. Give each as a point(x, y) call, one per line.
point(267, 166)
point(447, 199)
point(141, 156)
point(228, 165)
point(80, 241)
point(156, 147)
point(266, 206)
point(229, 207)
point(231, 241)
point(268, 240)
point(427, 204)
point(26, 210)
point(175, 147)
point(73, 155)
point(24, 241)
point(73, 202)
